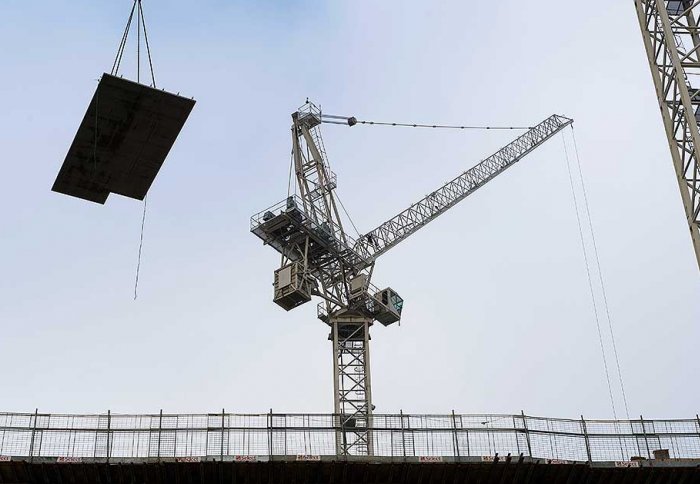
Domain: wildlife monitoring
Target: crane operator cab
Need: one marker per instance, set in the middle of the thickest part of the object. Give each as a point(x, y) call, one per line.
point(391, 305)
point(383, 305)
point(677, 7)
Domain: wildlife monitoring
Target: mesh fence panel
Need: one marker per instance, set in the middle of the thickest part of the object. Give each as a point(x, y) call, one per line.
point(402, 435)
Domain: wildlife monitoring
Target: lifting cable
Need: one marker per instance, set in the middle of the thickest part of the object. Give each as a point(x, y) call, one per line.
point(140, 22)
point(138, 263)
point(122, 44)
point(600, 276)
point(590, 278)
point(352, 121)
point(148, 46)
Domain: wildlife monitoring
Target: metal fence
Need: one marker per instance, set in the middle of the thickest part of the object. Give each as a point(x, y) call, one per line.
point(122, 437)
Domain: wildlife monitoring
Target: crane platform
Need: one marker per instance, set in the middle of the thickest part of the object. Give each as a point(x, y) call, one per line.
point(286, 226)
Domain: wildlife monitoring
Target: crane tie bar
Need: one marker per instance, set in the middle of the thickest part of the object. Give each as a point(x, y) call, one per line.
point(352, 121)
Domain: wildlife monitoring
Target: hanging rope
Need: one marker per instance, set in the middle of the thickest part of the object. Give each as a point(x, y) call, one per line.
point(138, 79)
point(138, 264)
point(600, 275)
point(140, 22)
point(590, 279)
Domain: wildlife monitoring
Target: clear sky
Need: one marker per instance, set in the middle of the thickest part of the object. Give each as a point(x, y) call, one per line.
point(497, 316)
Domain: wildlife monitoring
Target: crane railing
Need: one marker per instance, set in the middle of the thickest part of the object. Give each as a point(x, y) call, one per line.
point(327, 233)
point(398, 228)
point(225, 436)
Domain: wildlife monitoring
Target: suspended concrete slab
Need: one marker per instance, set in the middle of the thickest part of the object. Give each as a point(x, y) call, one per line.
point(123, 140)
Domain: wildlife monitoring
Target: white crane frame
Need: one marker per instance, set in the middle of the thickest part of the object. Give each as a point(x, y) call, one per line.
point(672, 43)
point(320, 259)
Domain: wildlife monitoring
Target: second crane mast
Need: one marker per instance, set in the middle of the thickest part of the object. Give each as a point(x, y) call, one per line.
point(672, 42)
point(320, 259)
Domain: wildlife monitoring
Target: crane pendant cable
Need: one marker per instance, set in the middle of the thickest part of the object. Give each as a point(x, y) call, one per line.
point(352, 121)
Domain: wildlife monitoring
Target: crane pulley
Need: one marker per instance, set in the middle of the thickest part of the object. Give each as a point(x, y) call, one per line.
point(320, 259)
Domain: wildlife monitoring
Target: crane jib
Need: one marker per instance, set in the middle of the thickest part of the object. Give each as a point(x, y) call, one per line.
point(390, 233)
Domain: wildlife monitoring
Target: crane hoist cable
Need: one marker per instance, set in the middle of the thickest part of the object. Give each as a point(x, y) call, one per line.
point(137, 8)
point(600, 274)
point(352, 121)
point(140, 21)
point(589, 277)
point(122, 43)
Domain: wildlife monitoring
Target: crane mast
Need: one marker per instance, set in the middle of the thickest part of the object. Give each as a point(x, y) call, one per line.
point(672, 43)
point(318, 258)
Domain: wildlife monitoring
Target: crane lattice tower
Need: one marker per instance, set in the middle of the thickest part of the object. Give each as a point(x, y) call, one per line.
point(319, 258)
point(672, 42)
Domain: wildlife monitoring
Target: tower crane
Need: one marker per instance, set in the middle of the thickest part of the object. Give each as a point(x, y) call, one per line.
point(319, 258)
point(672, 44)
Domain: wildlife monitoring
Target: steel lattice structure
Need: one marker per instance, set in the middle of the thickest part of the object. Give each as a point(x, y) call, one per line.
point(320, 259)
point(398, 228)
point(672, 42)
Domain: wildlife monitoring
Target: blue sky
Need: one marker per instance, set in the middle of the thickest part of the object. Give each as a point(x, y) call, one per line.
point(497, 315)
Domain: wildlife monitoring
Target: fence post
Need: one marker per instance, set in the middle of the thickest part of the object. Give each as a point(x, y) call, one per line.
point(585, 437)
point(515, 434)
point(109, 426)
point(269, 435)
point(646, 441)
point(454, 433)
point(223, 415)
point(466, 432)
point(160, 428)
point(31, 443)
point(527, 433)
point(403, 436)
